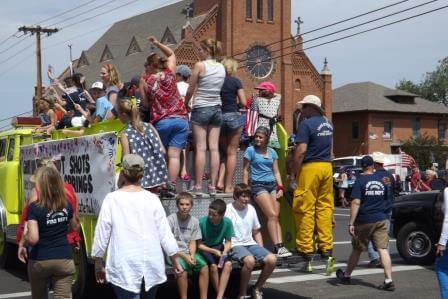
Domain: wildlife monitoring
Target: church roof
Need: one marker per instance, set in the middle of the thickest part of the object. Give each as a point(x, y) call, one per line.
point(125, 45)
point(369, 96)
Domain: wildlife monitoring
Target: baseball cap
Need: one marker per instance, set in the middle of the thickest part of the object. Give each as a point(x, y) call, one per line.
point(378, 157)
point(366, 161)
point(269, 86)
point(183, 70)
point(98, 85)
point(133, 162)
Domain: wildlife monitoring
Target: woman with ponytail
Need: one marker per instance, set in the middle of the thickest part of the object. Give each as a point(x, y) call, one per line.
point(206, 116)
point(441, 220)
point(142, 139)
point(168, 112)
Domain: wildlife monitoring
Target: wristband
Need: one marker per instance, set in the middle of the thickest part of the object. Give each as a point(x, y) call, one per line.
point(280, 187)
point(351, 225)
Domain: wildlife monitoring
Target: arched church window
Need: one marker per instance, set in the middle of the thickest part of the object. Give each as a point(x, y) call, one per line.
point(271, 10)
point(259, 9)
point(249, 9)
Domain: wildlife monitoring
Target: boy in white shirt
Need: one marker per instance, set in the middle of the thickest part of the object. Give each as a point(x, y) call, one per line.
point(247, 245)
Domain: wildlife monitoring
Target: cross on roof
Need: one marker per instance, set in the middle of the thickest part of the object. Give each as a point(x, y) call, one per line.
point(298, 22)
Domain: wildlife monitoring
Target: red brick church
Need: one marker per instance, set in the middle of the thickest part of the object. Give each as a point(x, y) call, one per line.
point(255, 32)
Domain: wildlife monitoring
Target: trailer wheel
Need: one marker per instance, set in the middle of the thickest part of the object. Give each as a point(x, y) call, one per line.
point(415, 245)
point(82, 275)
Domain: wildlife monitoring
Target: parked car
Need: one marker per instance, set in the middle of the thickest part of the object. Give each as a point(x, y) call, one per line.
point(413, 226)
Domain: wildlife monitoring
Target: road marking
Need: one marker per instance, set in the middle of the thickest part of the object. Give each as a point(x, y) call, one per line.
point(311, 277)
point(343, 215)
point(283, 270)
point(350, 242)
point(15, 295)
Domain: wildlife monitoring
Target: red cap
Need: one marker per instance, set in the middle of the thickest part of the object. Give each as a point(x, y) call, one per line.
point(269, 86)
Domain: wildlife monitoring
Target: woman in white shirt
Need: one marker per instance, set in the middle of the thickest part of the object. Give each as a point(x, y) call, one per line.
point(442, 258)
point(133, 228)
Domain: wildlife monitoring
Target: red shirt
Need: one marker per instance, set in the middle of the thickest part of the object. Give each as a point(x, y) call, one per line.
point(164, 96)
point(72, 237)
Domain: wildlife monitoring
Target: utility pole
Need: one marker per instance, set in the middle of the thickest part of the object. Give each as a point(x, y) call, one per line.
point(38, 30)
point(71, 59)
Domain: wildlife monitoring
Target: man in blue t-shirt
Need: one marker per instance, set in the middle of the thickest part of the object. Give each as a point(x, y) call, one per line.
point(368, 222)
point(312, 170)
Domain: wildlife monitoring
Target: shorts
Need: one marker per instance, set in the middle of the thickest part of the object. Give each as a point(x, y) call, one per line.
point(173, 132)
point(257, 188)
point(258, 252)
point(375, 232)
point(196, 268)
point(212, 259)
point(207, 116)
point(231, 121)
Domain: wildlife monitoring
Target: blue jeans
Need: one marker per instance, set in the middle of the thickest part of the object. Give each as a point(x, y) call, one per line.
point(442, 274)
point(124, 294)
point(373, 254)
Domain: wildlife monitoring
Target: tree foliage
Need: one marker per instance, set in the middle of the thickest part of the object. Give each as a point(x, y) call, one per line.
point(426, 149)
point(433, 87)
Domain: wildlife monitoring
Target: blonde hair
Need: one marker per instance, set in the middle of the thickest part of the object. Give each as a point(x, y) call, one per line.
point(131, 110)
point(212, 46)
point(51, 189)
point(231, 66)
point(114, 77)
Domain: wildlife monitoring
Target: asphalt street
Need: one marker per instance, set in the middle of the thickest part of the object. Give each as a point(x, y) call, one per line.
point(287, 283)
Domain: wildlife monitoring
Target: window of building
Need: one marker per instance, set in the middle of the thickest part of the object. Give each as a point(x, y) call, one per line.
point(134, 47)
point(259, 9)
point(387, 132)
point(270, 10)
point(355, 130)
point(441, 129)
point(168, 37)
point(249, 9)
point(11, 149)
point(2, 149)
point(107, 54)
point(416, 125)
point(83, 60)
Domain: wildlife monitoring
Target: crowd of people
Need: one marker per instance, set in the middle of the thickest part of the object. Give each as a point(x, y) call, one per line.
point(159, 109)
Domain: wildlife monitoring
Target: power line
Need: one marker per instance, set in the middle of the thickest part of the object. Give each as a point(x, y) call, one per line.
point(14, 44)
point(332, 24)
point(352, 27)
point(8, 38)
point(105, 12)
point(83, 12)
point(357, 33)
point(64, 12)
point(8, 118)
point(22, 61)
point(16, 53)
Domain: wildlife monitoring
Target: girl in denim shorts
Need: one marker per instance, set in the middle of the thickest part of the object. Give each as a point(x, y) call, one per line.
point(261, 168)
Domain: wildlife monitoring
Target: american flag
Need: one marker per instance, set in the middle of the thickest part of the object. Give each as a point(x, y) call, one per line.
point(407, 160)
point(252, 118)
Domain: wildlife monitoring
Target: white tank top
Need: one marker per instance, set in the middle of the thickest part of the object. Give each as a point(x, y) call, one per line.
point(208, 92)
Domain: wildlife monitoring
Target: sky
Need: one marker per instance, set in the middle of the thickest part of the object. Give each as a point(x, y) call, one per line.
point(385, 56)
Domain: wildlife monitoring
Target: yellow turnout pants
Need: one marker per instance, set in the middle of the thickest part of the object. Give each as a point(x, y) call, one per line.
point(313, 207)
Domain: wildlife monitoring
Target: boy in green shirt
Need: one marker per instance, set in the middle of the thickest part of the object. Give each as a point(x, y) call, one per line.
point(216, 229)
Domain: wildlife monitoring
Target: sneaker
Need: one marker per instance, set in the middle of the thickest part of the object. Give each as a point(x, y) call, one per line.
point(307, 268)
point(330, 266)
point(342, 278)
point(167, 194)
point(257, 294)
point(283, 252)
point(244, 297)
point(196, 191)
point(211, 190)
point(389, 286)
point(374, 264)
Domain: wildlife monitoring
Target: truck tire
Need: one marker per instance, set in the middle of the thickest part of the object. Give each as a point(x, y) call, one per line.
point(415, 244)
point(7, 252)
point(82, 276)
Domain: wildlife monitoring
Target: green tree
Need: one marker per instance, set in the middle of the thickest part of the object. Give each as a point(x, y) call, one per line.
point(433, 87)
point(426, 149)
